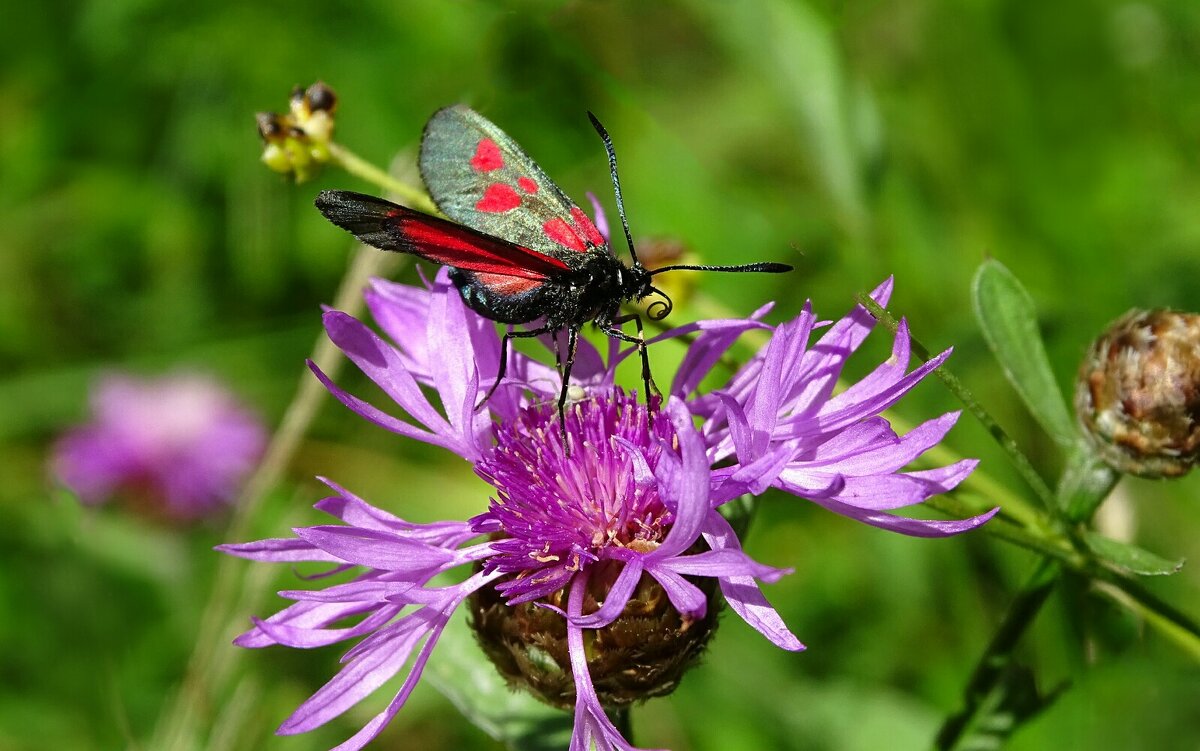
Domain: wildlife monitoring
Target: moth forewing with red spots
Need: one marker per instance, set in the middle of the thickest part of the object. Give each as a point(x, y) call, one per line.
point(480, 177)
point(521, 251)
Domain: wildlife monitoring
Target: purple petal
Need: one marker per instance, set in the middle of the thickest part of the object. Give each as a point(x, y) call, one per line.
point(616, 599)
point(453, 367)
point(402, 311)
point(310, 638)
point(723, 563)
point(312, 615)
point(279, 550)
point(871, 447)
point(829, 353)
point(706, 351)
point(883, 377)
point(375, 549)
point(380, 418)
point(368, 672)
point(370, 588)
point(755, 477)
point(741, 435)
point(688, 493)
point(685, 597)
point(742, 592)
point(837, 413)
point(592, 725)
point(904, 525)
point(601, 221)
point(356, 512)
point(877, 492)
point(380, 362)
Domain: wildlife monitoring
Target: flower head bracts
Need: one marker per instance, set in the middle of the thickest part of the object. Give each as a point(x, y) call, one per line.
point(585, 519)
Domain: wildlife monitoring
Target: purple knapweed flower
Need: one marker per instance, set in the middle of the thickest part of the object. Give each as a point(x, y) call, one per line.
point(612, 536)
point(177, 446)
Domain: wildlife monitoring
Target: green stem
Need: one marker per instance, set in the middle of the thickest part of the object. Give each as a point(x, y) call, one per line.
point(623, 722)
point(404, 192)
point(990, 669)
point(1015, 455)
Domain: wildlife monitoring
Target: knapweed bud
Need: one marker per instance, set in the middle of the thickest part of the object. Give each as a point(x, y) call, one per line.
point(642, 654)
point(298, 143)
point(1138, 393)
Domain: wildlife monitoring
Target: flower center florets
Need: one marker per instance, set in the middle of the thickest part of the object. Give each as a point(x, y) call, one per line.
point(565, 504)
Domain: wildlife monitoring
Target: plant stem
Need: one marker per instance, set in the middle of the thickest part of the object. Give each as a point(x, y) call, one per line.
point(359, 167)
point(989, 670)
point(623, 722)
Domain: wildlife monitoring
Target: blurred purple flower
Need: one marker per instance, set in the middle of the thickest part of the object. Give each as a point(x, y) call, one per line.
point(632, 498)
point(179, 445)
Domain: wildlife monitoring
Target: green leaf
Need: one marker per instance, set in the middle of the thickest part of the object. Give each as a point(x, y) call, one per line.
point(465, 676)
point(1130, 558)
point(1009, 322)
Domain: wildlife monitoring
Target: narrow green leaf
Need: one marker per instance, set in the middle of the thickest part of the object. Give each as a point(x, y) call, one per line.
point(1130, 558)
point(1009, 322)
point(463, 674)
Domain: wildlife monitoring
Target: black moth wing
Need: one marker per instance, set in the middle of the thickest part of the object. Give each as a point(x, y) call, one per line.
point(479, 176)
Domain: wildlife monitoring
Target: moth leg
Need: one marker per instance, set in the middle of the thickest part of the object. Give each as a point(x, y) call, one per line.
point(508, 334)
point(572, 341)
point(640, 340)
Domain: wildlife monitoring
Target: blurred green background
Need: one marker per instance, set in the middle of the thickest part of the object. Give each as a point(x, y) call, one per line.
point(855, 140)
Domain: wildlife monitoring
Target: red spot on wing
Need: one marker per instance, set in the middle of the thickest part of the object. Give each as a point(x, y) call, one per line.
point(498, 198)
point(582, 223)
point(562, 233)
point(487, 156)
point(527, 184)
point(506, 285)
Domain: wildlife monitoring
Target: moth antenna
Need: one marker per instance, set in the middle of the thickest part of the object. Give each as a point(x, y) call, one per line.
point(659, 309)
point(616, 181)
point(766, 267)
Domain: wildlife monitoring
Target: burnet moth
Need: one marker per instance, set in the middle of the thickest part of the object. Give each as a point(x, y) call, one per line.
point(518, 249)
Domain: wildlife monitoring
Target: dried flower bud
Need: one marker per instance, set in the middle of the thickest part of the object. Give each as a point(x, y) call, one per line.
point(1138, 393)
point(270, 126)
point(640, 655)
point(298, 143)
point(321, 98)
